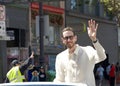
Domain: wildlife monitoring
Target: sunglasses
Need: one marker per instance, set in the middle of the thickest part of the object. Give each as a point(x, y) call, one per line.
point(68, 37)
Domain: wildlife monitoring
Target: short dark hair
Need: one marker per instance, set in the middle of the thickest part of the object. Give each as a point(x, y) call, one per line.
point(14, 62)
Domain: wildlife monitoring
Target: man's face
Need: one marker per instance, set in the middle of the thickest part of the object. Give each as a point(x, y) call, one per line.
point(69, 39)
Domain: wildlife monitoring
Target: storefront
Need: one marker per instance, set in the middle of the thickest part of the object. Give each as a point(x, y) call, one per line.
point(53, 18)
point(17, 30)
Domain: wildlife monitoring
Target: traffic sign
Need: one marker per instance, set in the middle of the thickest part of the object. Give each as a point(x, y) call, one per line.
point(2, 28)
point(2, 13)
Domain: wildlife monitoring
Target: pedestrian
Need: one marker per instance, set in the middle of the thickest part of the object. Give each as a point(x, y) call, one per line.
point(42, 74)
point(76, 63)
point(35, 76)
point(16, 73)
point(108, 71)
point(112, 75)
point(29, 72)
point(100, 74)
point(117, 72)
point(117, 68)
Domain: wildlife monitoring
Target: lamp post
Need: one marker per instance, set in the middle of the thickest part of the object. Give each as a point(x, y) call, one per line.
point(41, 34)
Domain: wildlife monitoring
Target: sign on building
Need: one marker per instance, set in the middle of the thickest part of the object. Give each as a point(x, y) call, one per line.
point(2, 13)
point(2, 21)
point(11, 33)
point(2, 28)
point(3, 35)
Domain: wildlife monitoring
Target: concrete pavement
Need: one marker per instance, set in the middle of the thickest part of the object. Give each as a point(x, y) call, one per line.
point(105, 83)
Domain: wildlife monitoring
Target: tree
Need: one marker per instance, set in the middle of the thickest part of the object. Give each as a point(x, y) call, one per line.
point(112, 7)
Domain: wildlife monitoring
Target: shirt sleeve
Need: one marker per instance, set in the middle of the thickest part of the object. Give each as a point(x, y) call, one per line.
point(99, 52)
point(96, 54)
point(59, 70)
point(25, 65)
point(6, 80)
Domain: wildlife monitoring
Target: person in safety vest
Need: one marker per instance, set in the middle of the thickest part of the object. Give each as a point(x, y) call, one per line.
point(16, 73)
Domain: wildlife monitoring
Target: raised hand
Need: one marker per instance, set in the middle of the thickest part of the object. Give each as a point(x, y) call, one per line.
point(32, 55)
point(92, 29)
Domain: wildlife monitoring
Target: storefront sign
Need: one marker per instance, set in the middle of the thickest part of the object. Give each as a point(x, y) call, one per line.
point(48, 8)
point(2, 28)
point(10, 33)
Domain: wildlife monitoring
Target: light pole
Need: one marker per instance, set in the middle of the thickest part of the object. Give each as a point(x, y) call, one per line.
point(41, 34)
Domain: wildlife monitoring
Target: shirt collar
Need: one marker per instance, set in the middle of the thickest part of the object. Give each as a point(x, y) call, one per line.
point(76, 50)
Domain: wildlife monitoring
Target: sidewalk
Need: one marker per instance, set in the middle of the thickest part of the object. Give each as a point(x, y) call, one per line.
point(105, 83)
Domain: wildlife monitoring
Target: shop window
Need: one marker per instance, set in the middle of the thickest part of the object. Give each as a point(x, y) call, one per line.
point(51, 62)
point(56, 19)
point(55, 38)
point(73, 4)
point(19, 38)
point(52, 30)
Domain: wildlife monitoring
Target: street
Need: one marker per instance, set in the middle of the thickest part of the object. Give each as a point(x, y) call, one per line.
point(105, 83)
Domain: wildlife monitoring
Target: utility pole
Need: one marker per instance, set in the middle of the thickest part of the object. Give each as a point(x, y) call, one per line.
point(41, 33)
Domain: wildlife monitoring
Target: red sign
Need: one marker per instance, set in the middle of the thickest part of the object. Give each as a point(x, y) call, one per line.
point(48, 8)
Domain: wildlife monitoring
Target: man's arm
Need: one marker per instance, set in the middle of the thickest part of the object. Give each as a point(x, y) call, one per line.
point(59, 71)
point(6, 80)
point(27, 63)
point(92, 32)
point(100, 51)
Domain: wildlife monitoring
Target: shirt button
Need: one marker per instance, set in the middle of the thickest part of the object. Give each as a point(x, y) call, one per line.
point(74, 65)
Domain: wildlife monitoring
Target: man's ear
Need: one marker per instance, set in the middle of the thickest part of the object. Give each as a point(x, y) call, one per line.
point(62, 40)
point(75, 37)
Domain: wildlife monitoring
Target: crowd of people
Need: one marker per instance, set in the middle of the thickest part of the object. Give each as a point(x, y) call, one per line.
point(26, 71)
point(111, 73)
point(36, 74)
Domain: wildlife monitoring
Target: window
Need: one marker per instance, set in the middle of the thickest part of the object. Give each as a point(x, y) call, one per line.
point(73, 4)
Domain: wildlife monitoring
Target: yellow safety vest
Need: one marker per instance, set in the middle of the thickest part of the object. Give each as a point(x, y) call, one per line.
point(14, 75)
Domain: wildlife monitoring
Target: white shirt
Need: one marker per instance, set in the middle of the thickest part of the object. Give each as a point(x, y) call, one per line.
point(78, 67)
